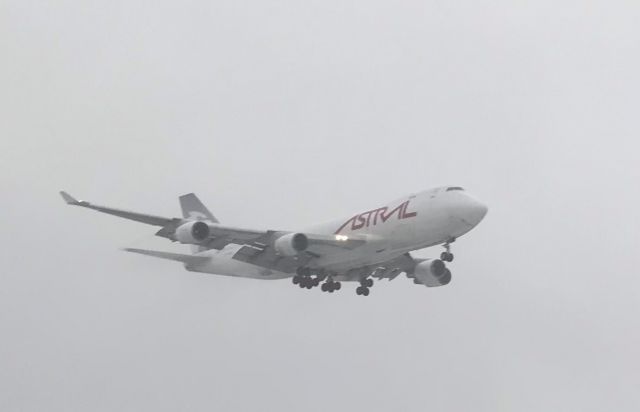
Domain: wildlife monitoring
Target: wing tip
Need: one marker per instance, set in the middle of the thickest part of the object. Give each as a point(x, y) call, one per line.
point(68, 199)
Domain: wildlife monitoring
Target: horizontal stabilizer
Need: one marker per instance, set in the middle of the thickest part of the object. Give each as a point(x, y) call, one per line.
point(190, 259)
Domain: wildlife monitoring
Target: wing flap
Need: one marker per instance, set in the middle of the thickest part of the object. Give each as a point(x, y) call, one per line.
point(260, 251)
point(327, 244)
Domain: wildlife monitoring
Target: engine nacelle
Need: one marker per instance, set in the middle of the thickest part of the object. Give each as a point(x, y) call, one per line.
point(291, 244)
point(432, 273)
point(192, 233)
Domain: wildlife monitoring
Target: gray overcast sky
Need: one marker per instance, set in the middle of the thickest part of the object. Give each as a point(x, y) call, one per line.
point(280, 114)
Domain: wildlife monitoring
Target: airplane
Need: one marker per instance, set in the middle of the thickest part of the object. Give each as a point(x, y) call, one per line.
point(372, 244)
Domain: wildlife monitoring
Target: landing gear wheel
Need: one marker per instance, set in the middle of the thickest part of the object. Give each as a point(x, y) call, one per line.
point(306, 283)
point(446, 256)
point(362, 290)
point(330, 286)
point(367, 283)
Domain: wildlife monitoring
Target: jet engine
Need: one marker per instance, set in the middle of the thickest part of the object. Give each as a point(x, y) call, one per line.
point(192, 232)
point(291, 244)
point(431, 273)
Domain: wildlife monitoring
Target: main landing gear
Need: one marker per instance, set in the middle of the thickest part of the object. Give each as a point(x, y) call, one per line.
point(308, 279)
point(363, 289)
point(447, 256)
point(304, 279)
point(330, 285)
point(305, 282)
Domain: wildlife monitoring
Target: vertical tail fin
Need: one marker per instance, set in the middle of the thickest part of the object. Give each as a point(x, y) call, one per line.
point(192, 208)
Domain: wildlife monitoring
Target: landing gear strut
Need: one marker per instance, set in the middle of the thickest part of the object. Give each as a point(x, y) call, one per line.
point(363, 289)
point(447, 256)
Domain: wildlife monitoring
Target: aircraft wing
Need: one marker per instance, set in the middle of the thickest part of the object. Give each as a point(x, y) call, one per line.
point(220, 235)
point(258, 246)
point(138, 217)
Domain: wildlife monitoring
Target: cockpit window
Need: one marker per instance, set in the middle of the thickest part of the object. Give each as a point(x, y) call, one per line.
point(449, 189)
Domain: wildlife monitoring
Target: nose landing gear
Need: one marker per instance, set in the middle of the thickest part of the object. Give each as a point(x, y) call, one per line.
point(447, 256)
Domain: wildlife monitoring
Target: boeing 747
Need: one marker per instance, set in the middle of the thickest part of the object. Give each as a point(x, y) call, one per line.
point(374, 244)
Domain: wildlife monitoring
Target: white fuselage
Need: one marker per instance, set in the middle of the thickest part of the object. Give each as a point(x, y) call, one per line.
point(413, 222)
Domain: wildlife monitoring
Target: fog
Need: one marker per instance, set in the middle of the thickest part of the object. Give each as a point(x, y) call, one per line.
point(282, 114)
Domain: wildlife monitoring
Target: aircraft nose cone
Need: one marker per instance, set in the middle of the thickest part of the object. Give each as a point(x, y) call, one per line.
point(477, 211)
point(474, 211)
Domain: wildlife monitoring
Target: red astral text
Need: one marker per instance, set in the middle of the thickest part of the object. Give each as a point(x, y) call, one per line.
point(373, 217)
